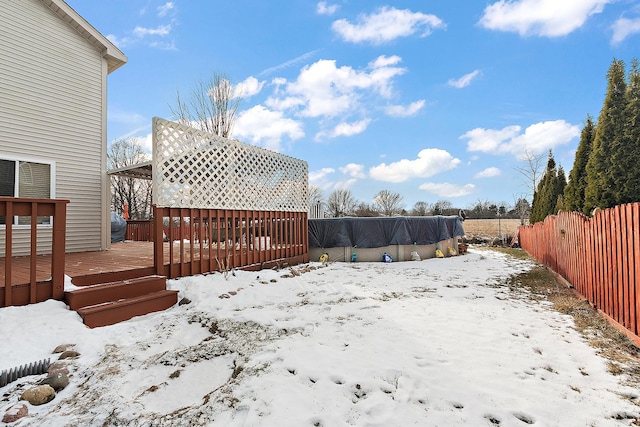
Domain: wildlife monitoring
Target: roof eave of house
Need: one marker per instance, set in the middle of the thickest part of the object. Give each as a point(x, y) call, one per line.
point(114, 56)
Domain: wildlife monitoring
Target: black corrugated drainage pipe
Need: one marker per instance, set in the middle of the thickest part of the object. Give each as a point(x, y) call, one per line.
point(34, 368)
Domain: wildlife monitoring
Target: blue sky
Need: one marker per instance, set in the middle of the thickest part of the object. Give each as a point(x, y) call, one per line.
point(431, 99)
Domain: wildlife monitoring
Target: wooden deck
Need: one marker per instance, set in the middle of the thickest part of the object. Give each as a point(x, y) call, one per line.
point(121, 258)
point(202, 241)
point(130, 259)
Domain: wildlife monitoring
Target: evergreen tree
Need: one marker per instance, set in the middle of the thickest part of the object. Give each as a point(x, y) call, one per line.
point(544, 199)
point(628, 156)
point(533, 213)
point(601, 169)
point(558, 195)
point(559, 204)
point(548, 199)
point(574, 191)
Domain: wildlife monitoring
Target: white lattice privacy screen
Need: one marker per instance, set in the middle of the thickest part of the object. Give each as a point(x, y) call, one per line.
point(195, 169)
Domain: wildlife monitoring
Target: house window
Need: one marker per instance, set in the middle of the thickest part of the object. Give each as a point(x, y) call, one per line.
point(25, 179)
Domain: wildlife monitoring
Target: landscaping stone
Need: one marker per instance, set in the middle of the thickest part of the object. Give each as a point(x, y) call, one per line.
point(57, 367)
point(39, 395)
point(57, 381)
point(63, 347)
point(68, 354)
point(14, 413)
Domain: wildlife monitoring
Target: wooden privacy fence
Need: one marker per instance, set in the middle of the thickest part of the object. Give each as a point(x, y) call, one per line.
point(36, 290)
point(196, 241)
point(598, 256)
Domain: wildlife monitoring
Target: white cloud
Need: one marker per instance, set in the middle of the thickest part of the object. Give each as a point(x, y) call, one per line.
point(323, 89)
point(321, 178)
point(163, 45)
point(488, 173)
point(322, 8)
point(249, 87)
point(382, 74)
point(624, 28)
point(430, 161)
point(354, 170)
point(289, 63)
point(345, 129)
point(152, 37)
point(120, 42)
point(146, 142)
point(341, 97)
point(488, 140)
point(387, 24)
point(405, 111)
point(548, 18)
point(165, 8)
point(537, 138)
point(266, 127)
point(446, 189)
point(384, 61)
point(286, 103)
point(320, 174)
point(161, 30)
point(465, 80)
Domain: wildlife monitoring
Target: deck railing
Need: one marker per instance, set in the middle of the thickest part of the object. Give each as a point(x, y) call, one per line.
point(10, 207)
point(599, 256)
point(206, 240)
point(139, 230)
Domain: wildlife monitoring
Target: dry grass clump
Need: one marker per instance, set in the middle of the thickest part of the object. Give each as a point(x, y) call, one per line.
point(487, 229)
point(623, 357)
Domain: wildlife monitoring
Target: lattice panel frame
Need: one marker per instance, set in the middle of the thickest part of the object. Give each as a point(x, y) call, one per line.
point(196, 169)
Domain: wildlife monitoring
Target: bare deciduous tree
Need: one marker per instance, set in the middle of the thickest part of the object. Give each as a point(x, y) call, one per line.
point(522, 209)
point(341, 203)
point(365, 210)
point(531, 169)
point(316, 202)
point(315, 195)
point(211, 106)
point(421, 209)
point(480, 209)
point(442, 207)
point(135, 192)
point(387, 203)
point(503, 208)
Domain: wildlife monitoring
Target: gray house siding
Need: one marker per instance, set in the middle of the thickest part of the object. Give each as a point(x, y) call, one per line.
point(52, 107)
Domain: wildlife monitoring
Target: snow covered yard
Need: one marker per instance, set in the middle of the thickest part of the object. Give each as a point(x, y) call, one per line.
point(438, 342)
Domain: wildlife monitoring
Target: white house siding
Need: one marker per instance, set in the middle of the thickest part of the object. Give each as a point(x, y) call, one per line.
point(52, 85)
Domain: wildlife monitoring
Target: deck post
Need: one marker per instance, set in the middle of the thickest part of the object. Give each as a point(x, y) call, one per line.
point(158, 241)
point(34, 253)
point(58, 248)
point(8, 220)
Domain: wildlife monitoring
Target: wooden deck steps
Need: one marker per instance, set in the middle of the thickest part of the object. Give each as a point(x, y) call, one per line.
point(105, 304)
